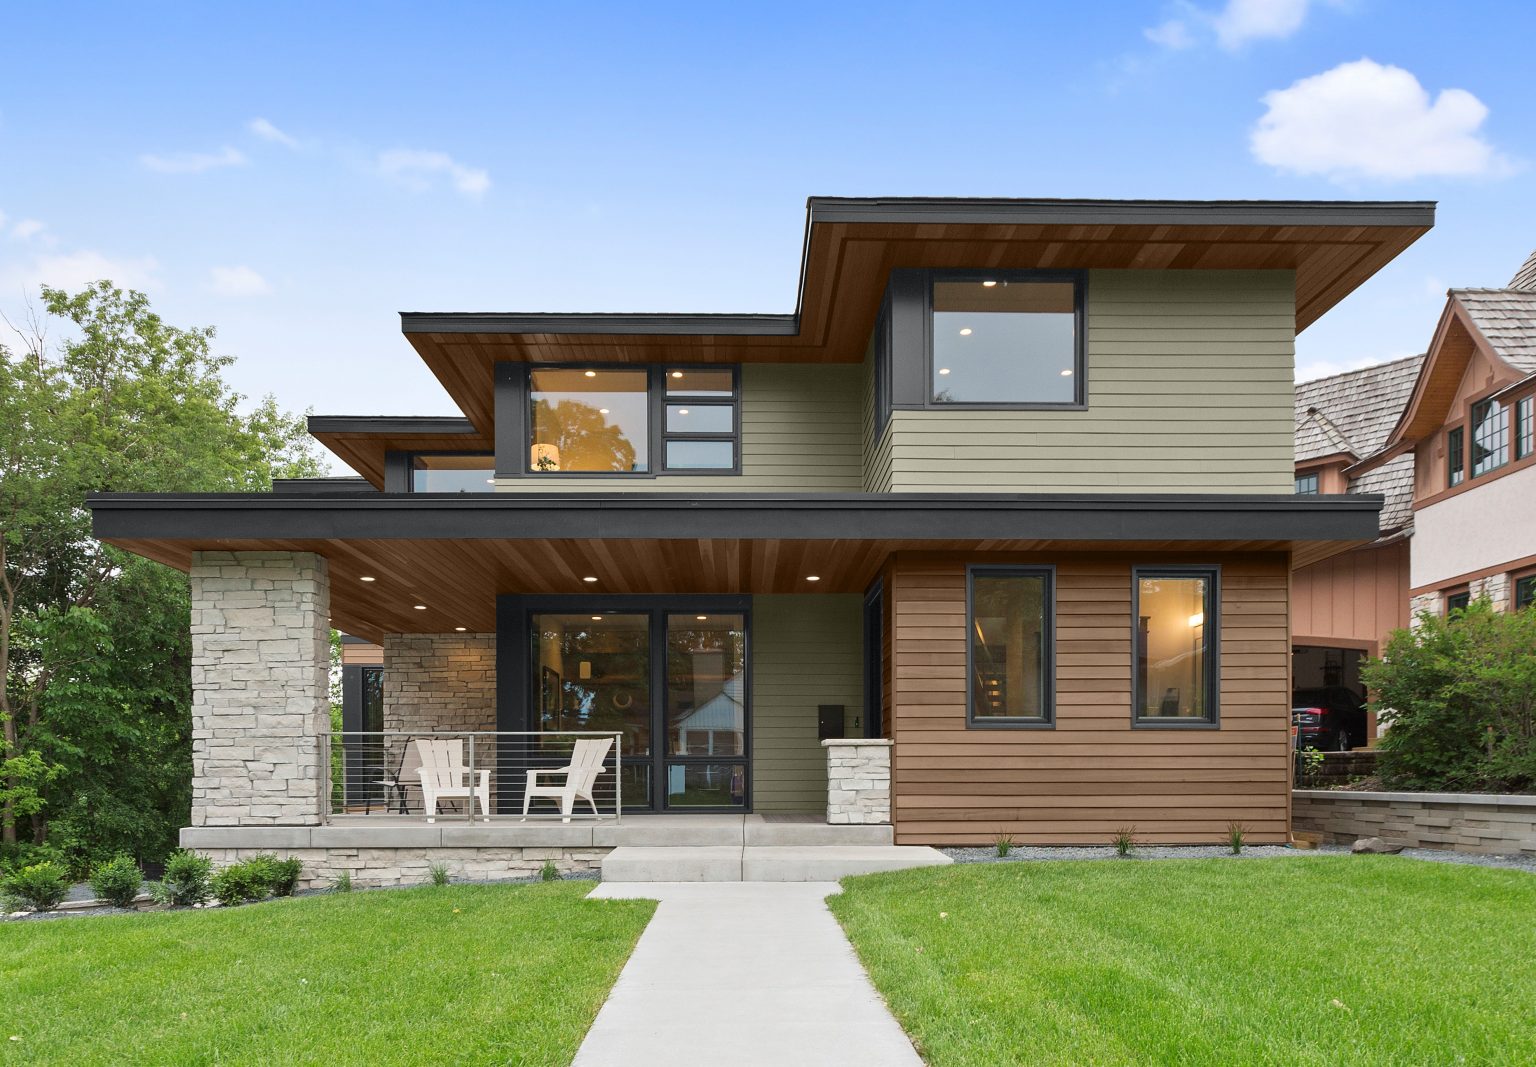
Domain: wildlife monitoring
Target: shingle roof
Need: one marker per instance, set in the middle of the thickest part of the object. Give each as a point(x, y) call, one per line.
point(1355, 412)
point(1525, 277)
point(1507, 318)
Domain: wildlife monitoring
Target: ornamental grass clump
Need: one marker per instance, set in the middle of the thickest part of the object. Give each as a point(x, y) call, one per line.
point(117, 881)
point(439, 873)
point(549, 872)
point(1004, 844)
point(1236, 834)
point(1124, 840)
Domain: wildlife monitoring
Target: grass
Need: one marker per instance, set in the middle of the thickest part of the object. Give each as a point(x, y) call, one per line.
point(1316, 960)
point(463, 973)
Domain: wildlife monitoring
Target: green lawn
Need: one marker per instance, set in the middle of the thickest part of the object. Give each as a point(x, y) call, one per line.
point(1315, 960)
point(460, 974)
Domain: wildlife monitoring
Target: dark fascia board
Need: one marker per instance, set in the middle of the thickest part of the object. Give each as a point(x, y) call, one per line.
point(1045, 212)
point(394, 425)
point(747, 516)
point(322, 486)
point(662, 325)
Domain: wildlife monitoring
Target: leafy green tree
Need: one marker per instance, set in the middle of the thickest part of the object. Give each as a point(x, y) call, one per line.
point(94, 648)
point(1458, 695)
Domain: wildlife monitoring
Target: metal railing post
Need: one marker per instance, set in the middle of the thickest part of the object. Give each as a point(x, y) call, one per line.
point(618, 778)
point(469, 805)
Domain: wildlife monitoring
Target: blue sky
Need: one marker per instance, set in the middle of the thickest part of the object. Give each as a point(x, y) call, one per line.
point(295, 174)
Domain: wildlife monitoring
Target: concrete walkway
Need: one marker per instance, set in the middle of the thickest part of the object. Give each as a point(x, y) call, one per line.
point(745, 973)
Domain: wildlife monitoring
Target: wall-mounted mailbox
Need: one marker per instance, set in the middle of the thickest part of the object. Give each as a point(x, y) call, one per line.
point(829, 721)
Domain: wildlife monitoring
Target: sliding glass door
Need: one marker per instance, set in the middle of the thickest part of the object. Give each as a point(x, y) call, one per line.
point(671, 677)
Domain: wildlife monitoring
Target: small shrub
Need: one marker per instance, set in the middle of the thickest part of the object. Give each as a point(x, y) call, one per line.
point(117, 881)
point(1004, 844)
point(1311, 765)
point(187, 878)
point(283, 875)
point(242, 883)
point(1124, 840)
point(343, 882)
point(439, 873)
point(39, 887)
point(1236, 833)
point(549, 872)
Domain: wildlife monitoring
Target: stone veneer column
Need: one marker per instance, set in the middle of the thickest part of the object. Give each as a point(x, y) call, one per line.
point(1433, 603)
point(858, 780)
point(1495, 587)
point(260, 687)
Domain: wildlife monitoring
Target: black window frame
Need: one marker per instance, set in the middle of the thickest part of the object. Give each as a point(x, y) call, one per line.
point(1047, 649)
point(1524, 416)
point(1455, 457)
point(1079, 280)
point(1460, 600)
point(657, 435)
point(409, 461)
point(1524, 593)
point(1495, 443)
point(1310, 477)
point(1212, 635)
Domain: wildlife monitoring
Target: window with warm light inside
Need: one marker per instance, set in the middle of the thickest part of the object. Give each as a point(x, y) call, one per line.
point(1004, 340)
point(453, 472)
point(1175, 655)
point(1011, 646)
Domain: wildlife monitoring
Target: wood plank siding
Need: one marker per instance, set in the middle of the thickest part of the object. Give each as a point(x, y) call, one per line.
point(800, 433)
point(1189, 379)
point(1352, 600)
point(1092, 773)
point(806, 651)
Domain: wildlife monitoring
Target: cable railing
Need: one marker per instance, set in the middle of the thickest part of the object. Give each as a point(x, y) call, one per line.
point(474, 775)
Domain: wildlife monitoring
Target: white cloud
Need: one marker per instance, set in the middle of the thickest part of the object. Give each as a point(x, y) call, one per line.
point(268, 132)
point(1363, 119)
point(27, 229)
point(415, 169)
point(193, 162)
point(75, 270)
point(238, 281)
point(1173, 34)
point(1242, 21)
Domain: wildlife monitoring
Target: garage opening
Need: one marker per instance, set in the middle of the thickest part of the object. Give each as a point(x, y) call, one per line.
point(1328, 698)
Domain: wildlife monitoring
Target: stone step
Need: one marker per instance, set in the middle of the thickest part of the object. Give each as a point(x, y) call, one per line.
point(761, 863)
point(763, 832)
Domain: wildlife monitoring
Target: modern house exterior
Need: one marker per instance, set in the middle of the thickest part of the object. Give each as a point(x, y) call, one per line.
point(993, 535)
point(1449, 440)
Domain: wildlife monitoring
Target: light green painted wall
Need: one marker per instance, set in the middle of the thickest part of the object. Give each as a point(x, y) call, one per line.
point(1189, 390)
point(806, 650)
point(800, 432)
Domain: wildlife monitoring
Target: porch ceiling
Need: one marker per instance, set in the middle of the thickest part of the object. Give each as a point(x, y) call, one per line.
point(453, 554)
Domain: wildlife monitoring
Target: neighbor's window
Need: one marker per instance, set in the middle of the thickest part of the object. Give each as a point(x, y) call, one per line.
point(1525, 591)
point(1455, 463)
point(589, 420)
point(1490, 437)
point(1175, 654)
point(1525, 427)
point(1306, 484)
point(1458, 601)
point(453, 472)
point(1000, 340)
point(1010, 633)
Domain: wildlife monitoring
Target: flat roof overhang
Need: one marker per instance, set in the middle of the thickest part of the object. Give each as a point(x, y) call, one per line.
point(852, 244)
point(454, 552)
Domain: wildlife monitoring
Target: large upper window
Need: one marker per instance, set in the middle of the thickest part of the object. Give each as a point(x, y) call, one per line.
point(1011, 654)
point(453, 472)
point(1455, 461)
point(1525, 426)
point(1490, 437)
point(1000, 340)
point(606, 420)
point(1175, 656)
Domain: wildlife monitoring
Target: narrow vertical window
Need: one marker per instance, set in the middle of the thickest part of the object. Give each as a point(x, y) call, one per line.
point(1490, 437)
point(1455, 464)
point(1525, 427)
point(1175, 612)
point(1011, 646)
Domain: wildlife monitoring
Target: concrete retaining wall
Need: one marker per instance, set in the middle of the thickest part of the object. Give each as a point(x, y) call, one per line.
point(1463, 822)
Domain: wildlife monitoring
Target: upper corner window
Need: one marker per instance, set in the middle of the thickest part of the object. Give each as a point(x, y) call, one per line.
point(1306, 484)
point(1175, 656)
point(701, 423)
point(1490, 437)
point(589, 420)
point(1455, 461)
point(1011, 646)
point(1006, 340)
point(1525, 427)
point(453, 472)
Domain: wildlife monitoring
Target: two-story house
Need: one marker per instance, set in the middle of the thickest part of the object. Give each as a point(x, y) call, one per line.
point(1008, 498)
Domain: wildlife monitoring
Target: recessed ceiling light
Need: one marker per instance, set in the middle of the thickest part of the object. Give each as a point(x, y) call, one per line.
point(367, 578)
point(1067, 373)
point(701, 618)
point(460, 629)
point(989, 284)
point(591, 374)
point(943, 370)
point(965, 332)
point(813, 577)
point(597, 618)
point(677, 374)
point(419, 607)
point(590, 578)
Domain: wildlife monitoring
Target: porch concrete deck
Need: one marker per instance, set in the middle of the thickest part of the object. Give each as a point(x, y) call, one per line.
point(449, 831)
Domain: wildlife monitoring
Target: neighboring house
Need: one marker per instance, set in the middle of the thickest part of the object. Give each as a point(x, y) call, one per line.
point(1010, 490)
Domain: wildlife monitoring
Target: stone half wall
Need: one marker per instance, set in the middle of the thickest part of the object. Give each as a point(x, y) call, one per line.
point(405, 866)
point(1462, 822)
point(260, 687)
point(858, 780)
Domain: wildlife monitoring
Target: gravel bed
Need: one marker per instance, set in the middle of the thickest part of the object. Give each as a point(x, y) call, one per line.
point(1030, 853)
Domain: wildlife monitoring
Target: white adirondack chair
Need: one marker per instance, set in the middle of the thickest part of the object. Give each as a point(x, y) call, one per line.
point(580, 775)
point(443, 774)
